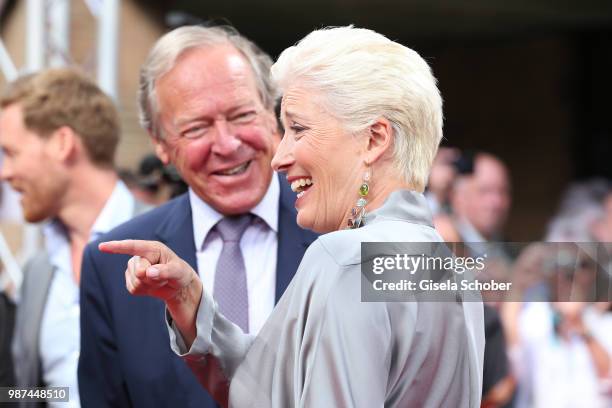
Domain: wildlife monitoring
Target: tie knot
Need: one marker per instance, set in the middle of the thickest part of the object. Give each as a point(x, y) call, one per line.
point(232, 228)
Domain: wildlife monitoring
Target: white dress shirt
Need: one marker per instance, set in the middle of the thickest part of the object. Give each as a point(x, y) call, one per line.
point(60, 336)
point(259, 244)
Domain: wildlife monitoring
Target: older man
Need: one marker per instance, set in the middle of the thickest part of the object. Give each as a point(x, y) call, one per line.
point(481, 200)
point(208, 103)
point(58, 133)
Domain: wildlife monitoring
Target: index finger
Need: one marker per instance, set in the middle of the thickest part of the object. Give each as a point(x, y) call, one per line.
point(150, 250)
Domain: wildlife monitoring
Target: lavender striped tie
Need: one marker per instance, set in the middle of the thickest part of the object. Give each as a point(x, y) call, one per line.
point(230, 288)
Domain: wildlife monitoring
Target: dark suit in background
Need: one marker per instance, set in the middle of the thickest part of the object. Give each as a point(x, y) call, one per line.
point(126, 358)
point(7, 321)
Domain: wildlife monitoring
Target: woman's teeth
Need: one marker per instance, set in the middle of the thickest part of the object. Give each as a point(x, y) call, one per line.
point(235, 170)
point(298, 185)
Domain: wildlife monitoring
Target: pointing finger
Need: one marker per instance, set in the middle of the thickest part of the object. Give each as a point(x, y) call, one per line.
point(151, 250)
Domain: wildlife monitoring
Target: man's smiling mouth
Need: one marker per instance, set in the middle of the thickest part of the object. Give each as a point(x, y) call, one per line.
point(234, 170)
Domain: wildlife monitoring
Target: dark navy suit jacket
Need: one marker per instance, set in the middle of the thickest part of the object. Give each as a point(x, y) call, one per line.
point(126, 360)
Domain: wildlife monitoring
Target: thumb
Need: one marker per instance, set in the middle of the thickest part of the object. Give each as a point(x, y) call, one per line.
point(138, 266)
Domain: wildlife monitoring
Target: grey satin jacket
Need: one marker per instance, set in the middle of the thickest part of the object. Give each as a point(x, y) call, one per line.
point(323, 347)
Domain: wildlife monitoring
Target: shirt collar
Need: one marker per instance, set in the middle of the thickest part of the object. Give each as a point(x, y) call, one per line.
point(403, 205)
point(204, 217)
point(117, 210)
point(55, 236)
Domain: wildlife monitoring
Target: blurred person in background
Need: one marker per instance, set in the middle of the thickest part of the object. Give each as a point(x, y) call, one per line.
point(499, 384)
point(481, 200)
point(58, 134)
point(7, 321)
point(474, 191)
point(207, 101)
point(155, 183)
point(585, 213)
point(602, 229)
point(599, 319)
point(441, 179)
point(560, 349)
point(7, 290)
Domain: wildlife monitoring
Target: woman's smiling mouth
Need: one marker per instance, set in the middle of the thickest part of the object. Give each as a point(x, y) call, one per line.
point(300, 185)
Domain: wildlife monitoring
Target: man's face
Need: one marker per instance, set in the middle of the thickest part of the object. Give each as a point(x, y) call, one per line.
point(28, 166)
point(215, 129)
point(488, 200)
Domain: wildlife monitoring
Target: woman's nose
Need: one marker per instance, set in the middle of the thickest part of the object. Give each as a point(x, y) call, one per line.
point(283, 159)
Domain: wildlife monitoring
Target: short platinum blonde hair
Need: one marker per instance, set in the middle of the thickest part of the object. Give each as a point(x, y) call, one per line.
point(361, 76)
point(166, 51)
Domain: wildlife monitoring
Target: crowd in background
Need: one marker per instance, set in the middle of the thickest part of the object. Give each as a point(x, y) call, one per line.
point(549, 342)
point(153, 183)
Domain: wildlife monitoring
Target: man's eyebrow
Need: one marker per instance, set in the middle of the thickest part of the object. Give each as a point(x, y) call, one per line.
point(185, 120)
point(245, 105)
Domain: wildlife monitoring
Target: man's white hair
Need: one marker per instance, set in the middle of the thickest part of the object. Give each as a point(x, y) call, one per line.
point(171, 46)
point(362, 76)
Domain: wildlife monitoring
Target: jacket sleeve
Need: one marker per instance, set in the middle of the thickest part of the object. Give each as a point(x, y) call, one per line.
point(219, 348)
point(101, 382)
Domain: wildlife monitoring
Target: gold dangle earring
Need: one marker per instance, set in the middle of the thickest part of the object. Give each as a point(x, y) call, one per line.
point(358, 213)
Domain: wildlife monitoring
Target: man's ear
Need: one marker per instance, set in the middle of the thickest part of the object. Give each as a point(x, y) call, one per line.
point(64, 144)
point(161, 150)
point(379, 140)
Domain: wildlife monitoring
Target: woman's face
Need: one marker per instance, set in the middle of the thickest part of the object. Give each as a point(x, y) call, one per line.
point(323, 163)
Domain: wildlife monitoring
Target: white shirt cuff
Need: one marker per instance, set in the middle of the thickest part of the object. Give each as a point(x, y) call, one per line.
point(204, 324)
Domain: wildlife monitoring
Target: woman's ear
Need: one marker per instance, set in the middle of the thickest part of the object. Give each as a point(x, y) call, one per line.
point(380, 140)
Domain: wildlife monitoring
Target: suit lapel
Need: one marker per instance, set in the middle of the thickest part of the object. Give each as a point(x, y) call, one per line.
point(38, 275)
point(38, 291)
point(292, 240)
point(176, 231)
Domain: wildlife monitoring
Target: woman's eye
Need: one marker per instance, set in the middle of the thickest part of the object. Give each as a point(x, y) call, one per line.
point(297, 128)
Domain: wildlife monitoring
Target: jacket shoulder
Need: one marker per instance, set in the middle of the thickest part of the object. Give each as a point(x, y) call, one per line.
point(144, 225)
